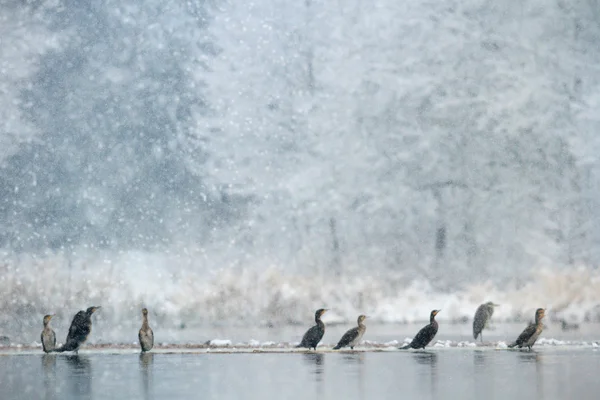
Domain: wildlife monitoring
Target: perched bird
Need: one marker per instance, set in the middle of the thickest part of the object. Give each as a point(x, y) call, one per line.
point(425, 335)
point(146, 335)
point(532, 332)
point(48, 336)
point(79, 330)
point(482, 317)
point(353, 336)
point(313, 336)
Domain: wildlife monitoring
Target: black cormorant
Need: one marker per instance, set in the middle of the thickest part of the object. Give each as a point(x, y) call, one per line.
point(48, 336)
point(146, 335)
point(425, 335)
point(353, 336)
point(482, 317)
point(313, 336)
point(79, 330)
point(532, 332)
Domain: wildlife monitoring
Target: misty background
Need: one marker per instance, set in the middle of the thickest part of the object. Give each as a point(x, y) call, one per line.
point(215, 159)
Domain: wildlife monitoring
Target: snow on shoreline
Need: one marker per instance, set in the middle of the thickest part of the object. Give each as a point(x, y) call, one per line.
point(268, 296)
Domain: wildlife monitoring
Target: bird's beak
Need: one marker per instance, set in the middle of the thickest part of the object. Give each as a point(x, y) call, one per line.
point(496, 305)
point(97, 308)
point(52, 316)
point(437, 312)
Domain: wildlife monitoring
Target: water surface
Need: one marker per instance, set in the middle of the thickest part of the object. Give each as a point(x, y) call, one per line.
point(548, 373)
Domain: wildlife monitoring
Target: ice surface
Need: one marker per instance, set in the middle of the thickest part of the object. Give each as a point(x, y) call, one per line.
point(252, 346)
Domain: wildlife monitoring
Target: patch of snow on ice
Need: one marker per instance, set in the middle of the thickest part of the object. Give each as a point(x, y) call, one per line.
point(220, 342)
point(551, 342)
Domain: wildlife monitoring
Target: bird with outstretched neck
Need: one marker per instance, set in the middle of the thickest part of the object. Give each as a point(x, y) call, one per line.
point(313, 336)
point(528, 337)
point(80, 329)
point(354, 335)
point(48, 336)
point(145, 334)
point(482, 318)
point(425, 335)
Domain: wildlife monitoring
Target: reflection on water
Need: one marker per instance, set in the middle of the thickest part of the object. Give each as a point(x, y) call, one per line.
point(49, 363)
point(430, 360)
point(426, 358)
point(49, 370)
point(547, 374)
point(529, 357)
point(354, 358)
point(480, 358)
point(146, 361)
point(355, 369)
point(318, 361)
point(534, 359)
point(80, 375)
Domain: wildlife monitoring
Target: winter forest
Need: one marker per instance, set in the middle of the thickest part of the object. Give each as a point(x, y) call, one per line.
point(263, 158)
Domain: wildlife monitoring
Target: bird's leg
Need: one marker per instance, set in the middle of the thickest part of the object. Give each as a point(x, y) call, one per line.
point(481, 337)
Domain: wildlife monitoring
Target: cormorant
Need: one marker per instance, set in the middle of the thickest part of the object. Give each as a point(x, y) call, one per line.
point(313, 336)
point(425, 335)
point(79, 330)
point(146, 335)
point(532, 332)
point(48, 336)
point(482, 317)
point(353, 336)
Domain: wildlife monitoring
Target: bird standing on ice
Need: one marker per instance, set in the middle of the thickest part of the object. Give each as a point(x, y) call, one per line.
point(482, 317)
point(313, 336)
point(425, 335)
point(532, 332)
point(353, 336)
point(48, 336)
point(145, 334)
point(80, 329)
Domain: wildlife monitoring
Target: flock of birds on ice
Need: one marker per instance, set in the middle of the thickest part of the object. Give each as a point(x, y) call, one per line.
point(81, 327)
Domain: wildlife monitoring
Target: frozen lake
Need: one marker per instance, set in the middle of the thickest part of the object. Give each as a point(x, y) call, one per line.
point(450, 373)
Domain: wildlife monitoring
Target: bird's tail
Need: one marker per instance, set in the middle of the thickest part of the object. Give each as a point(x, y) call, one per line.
point(301, 345)
point(337, 347)
point(58, 350)
point(510, 346)
point(475, 335)
point(404, 347)
point(66, 347)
